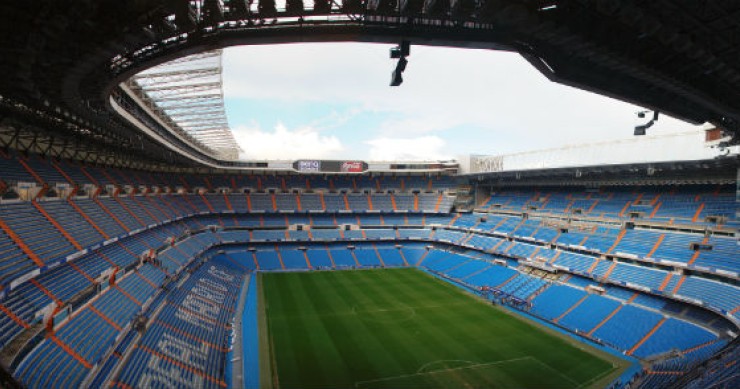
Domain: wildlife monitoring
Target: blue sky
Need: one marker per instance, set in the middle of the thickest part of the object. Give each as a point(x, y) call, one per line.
point(332, 101)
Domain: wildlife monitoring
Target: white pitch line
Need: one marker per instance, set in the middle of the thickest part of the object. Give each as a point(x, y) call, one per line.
point(420, 370)
point(598, 377)
point(557, 372)
point(361, 314)
point(354, 309)
point(360, 383)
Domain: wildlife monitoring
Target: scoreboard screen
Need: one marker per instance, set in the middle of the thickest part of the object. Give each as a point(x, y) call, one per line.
point(316, 166)
point(309, 166)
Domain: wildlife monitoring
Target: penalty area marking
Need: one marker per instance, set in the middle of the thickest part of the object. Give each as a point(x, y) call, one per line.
point(598, 377)
point(577, 385)
point(421, 369)
point(359, 384)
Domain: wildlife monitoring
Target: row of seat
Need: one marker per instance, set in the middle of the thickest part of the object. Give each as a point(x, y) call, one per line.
point(62, 283)
point(664, 373)
point(652, 245)
point(54, 230)
point(520, 285)
point(17, 168)
point(128, 217)
point(457, 237)
point(65, 357)
point(679, 204)
point(716, 294)
point(627, 326)
point(186, 342)
point(722, 296)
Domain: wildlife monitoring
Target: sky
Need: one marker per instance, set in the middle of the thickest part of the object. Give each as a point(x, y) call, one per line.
point(333, 101)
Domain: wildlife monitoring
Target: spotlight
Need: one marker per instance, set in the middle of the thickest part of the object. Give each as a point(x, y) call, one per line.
point(401, 65)
point(399, 52)
point(402, 50)
point(642, 129)
point(395, 52)
point(396, 78)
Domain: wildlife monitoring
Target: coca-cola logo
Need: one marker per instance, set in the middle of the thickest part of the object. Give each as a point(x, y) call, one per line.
point(353, 166)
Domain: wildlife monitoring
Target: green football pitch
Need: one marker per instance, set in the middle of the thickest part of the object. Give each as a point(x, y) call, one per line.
point(403, 328)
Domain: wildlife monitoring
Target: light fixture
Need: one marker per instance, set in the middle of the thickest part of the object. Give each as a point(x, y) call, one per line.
point(399, 52)
point(396, 77)
point(642, 129)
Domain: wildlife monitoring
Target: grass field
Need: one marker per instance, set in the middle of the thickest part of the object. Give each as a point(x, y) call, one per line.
point(405, 329)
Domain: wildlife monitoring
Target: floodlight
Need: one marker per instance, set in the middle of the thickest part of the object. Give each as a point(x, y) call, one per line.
point(405, 48)
point(642, 129)
point(401, 66)
point(402, 50)
point(396, 78)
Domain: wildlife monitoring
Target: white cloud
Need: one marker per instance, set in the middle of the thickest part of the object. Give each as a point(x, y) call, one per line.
point(283, 143)
point(513, 106)
point(335, 119)
point(407, 149)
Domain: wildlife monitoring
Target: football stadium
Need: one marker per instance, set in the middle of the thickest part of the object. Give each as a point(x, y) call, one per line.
point(139, 250)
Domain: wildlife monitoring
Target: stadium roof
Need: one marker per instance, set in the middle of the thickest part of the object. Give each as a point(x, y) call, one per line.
point(187, 94)
point(62, 64)
point(686, 145)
